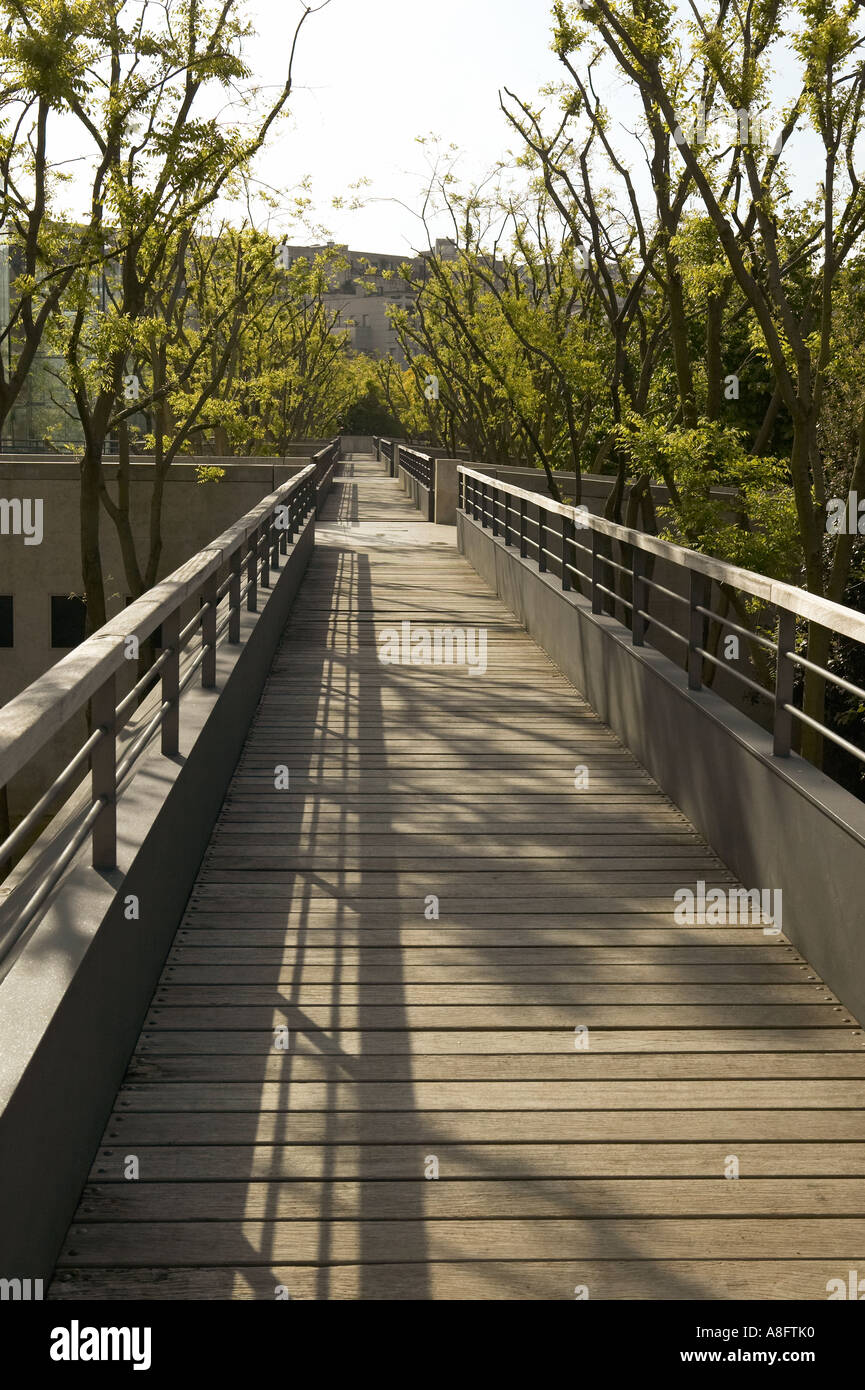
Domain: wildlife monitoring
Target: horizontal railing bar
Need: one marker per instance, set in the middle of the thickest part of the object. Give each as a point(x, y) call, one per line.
point(124, 709)
point(665, 627)
point(822, 729)
point(735, 627)
point(827, 675)
point(736, 674)
point(142, 738)
point(614, 564)
point(192, 626)
point(662, 589)
point(22, 919)
point(611, 593)
point(50, 797)
point(191, 670)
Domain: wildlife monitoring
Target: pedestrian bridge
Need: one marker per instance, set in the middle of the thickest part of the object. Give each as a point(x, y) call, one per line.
point(363, 964)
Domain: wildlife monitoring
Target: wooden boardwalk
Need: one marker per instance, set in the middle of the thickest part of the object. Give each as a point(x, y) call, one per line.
point(455, 1043)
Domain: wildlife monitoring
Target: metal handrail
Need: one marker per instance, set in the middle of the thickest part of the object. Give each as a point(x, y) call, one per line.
point(417, 465)
point(89, 674)
point(383, 446)
point(325, 459)
point(483, 498)
point(847, 622)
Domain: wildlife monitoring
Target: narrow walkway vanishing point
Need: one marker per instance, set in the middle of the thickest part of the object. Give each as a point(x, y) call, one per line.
point(340, 1094)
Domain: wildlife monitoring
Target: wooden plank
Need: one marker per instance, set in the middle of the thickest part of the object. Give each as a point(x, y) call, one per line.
point(238, 1242)
point(485, 1126)
point(470, 1199)
point(591, 963)
point(513, 1041)
point(537, 1066)
point(685, 1280)
point(350, 928)
point(336, 1016)
point(290, 1096)
point(519, 992)
point(292, 1162)
point(378, 968)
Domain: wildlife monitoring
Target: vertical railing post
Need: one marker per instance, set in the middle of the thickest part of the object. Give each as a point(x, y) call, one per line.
point(524, 539)
point(569, 535)
point(507, 528)
point(264, 536)
point(103, 775)
point(208, 632)
point(431, 505)
point(697, 598)
point(597, 600)
point(275, 534)
point(252, 573)
point(483, 504)
point(171, 685)
point(494, 500)
point(542, 538)
point(782, 736)
point(638, 596)
point(234, 597)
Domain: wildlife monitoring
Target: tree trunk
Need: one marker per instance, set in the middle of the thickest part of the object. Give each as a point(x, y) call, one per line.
point(91, 558)
point(714, 316)
point(817, 651)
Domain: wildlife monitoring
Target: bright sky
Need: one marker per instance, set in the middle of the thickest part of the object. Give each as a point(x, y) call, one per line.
point(373, 75)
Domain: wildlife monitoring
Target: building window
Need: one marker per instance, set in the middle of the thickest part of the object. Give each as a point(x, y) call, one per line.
point(7, 621)
point(68, 613)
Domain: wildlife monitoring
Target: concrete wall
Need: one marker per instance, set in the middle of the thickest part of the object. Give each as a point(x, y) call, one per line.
point(73, 1004)
point(776, 822)
point(357, 444)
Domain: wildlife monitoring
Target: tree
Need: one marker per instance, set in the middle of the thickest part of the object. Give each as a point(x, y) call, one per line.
point(159, 164)
point(45, 52)
point(722, 66)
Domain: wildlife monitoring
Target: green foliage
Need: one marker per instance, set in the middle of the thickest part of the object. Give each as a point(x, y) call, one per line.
point(729, 504)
